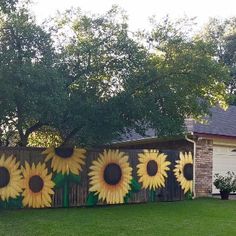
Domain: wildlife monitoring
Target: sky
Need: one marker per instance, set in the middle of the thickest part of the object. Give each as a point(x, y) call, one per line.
point(139, 11)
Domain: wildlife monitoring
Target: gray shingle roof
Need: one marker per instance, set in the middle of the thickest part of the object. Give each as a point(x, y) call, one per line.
point(219, 123)
point(132, 135)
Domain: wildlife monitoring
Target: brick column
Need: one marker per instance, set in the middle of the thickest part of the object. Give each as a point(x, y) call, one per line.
point(203, 168)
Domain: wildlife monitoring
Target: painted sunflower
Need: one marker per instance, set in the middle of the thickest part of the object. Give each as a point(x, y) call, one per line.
point(152, 169)
point(184, 171)
point(37, 186)
point(66, 160)
point(10, 178)
point(110, 176)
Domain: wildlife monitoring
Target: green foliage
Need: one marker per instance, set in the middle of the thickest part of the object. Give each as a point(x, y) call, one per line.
point(119, 85)
point(7, 6)
point(45, 137)
point(181, 80)
point(97, 57)
point(87, 79)
point(225, 183)
point(30, 88)
point(222, 35)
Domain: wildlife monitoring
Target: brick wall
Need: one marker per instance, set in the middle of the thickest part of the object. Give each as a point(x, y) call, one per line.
point(203, 168)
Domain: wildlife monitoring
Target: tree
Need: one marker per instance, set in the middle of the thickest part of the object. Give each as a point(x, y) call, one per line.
point(222, 34)
point(182, 79)
point(117, 84)
point(97, 56)
point(30, 88)
point(88, 79)
point(6, 6)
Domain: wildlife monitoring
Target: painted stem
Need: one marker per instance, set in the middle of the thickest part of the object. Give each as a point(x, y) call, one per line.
point(66, 193)
point(152, 195)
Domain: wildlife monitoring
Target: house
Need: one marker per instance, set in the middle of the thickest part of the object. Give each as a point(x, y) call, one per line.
point(213, 145)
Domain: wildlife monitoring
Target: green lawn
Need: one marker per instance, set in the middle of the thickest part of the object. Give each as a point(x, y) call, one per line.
point(197, 217)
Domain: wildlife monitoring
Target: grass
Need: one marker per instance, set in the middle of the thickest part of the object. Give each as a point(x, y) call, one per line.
point(197, 217)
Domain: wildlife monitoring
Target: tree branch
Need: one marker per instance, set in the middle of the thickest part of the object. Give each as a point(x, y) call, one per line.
point(33, 128)
point(69, 136)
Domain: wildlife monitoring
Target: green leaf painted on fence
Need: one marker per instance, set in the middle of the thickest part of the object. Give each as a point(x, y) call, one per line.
point(92, 199)
point(62, 181)
point(127, 197)
point(74, 178)
point(135, 186)
point(189, 195)
point(59, 180)
point(12, 203)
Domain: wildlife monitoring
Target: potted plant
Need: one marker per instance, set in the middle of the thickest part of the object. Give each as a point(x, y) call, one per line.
point(226, 184)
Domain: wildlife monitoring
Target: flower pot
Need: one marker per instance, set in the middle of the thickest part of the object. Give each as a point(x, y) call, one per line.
point(224, 195)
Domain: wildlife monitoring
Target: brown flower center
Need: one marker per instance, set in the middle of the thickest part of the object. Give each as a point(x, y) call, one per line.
point(64, 152)
point(4, 177)
point(152, 168)
point(188, 171)
point(36, 183)
point(112, 174)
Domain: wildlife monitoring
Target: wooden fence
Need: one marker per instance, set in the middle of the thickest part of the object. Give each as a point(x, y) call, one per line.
point(78, 193)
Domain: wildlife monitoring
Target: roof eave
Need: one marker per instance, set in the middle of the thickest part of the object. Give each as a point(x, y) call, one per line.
point(208, 135)
point(147, 140)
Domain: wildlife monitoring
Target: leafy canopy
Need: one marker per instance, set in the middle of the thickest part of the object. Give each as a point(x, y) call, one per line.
point(222, 35)
point(30, 87)
point(87, 79)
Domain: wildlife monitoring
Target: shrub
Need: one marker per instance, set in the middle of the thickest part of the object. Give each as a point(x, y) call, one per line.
point(225, 183)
